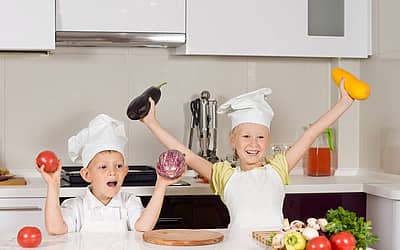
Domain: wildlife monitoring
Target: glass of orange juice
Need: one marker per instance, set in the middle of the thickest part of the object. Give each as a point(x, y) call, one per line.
point(319, 159)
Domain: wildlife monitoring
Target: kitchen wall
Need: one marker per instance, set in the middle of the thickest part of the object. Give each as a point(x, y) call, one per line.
point(47, 99)
point(380, 115)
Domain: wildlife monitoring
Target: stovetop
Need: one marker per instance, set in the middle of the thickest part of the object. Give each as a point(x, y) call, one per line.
point(138, 175)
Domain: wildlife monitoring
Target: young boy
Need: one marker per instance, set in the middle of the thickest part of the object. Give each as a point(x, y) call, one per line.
point(103, 208)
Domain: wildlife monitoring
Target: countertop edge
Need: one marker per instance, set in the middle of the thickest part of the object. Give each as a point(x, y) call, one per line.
point(370, 183)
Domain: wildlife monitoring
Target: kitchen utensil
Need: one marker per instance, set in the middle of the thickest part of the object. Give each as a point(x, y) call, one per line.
point(204, 121)
point(194, 109)
point(13, 181)
point(182, 237)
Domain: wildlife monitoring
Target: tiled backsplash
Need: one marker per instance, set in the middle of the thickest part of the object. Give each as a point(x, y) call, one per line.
point(47, 99)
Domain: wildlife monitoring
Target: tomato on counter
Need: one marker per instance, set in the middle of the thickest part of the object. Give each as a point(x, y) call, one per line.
point(49, 159)
point(29, 237)
point(319, 243)
point(343, 241)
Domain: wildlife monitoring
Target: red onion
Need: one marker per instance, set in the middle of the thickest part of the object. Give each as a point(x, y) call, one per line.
point(171, 164)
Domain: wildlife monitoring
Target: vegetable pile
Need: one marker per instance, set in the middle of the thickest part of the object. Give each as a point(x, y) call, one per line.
point(340, 220)
point(339, 230)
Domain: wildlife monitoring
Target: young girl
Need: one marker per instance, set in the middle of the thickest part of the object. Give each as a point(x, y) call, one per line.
point(103, 208)
point(254, 191)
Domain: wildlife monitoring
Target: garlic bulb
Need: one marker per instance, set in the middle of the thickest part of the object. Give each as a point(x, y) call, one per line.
point(310, 233)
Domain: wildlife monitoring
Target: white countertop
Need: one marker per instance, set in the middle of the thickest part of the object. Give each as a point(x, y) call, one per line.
point(382, 185)
point(129, 240)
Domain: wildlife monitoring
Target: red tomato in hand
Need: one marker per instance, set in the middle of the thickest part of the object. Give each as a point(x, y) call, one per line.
point(320, 243)
point(343, 241)
point(49, 160)
point(29, 237)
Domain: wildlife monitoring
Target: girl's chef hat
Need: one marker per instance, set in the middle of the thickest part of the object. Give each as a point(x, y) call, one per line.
point(103, 133)
point(250, 107)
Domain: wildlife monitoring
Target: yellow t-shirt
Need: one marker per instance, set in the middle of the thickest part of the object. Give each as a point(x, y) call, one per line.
point(222, 172)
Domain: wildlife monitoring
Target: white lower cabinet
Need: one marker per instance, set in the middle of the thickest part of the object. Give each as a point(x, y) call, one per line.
point(18, 212)
point(385, 216)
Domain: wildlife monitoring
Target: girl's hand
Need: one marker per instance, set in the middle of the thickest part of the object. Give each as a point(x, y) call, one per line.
point(151, 116)
point(52, 179)
point(344, 96)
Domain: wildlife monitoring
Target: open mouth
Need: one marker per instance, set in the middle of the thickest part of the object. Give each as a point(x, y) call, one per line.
point(252, 152)
point(112, 183)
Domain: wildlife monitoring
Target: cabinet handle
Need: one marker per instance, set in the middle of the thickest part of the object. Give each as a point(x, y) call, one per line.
point(170, 220)
point(20, 209)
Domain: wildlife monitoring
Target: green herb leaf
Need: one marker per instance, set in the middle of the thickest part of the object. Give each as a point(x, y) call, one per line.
point(341, 219)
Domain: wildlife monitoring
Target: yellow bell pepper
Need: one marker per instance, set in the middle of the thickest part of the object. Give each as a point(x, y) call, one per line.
point(356, 88)
point(295, 241)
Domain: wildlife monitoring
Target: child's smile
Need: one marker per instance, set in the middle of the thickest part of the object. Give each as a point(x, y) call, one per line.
point(250, 141)
point(252, 152)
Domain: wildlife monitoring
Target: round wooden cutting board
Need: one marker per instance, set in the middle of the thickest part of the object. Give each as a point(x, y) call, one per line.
point(182, 237)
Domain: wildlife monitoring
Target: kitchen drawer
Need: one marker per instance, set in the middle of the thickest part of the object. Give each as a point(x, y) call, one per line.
point(18, 212)
point(192, 211)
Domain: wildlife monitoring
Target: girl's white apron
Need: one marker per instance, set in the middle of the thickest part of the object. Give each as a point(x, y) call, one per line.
point(255, 199)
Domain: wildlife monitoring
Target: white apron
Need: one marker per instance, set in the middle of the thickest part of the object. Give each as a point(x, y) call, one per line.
point(105, 219)
point(254, 199)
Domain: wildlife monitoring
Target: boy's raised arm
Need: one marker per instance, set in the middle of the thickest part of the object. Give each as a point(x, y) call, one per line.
point(150, 215)
point(53, 218)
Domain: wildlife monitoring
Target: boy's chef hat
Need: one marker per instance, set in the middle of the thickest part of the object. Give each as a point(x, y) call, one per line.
point(250, 107)
point(103, 133)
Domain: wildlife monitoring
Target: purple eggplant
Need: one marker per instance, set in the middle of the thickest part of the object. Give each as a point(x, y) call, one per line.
point(139, 107)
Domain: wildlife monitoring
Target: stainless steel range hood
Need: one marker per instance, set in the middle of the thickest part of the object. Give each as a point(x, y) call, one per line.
point(120, 23)
point(119, 39)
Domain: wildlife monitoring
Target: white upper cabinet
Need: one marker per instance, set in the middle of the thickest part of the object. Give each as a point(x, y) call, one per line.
point(163, 16)
point(309, 28)
point(27, 25)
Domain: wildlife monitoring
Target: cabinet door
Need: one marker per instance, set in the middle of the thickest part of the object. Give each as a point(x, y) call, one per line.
point(385, 216)
point(27, 25)
point(164, 16)
point(278, 28)
point(16, 213)
point(303, 206)
point(192, 211)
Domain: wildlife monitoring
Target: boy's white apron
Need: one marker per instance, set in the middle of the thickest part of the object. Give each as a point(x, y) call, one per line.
point(255, 199)
point(100, 218)
point(105, 219)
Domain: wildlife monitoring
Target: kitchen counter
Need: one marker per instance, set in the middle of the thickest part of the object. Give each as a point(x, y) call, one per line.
point(382, 185)
point(129, 240)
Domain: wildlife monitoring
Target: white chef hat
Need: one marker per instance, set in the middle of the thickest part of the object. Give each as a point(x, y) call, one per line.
point(249, 107)
point(103, 133)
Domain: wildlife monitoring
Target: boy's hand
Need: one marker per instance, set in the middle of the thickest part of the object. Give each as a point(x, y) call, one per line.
point(167, 181)
point(52, 179)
